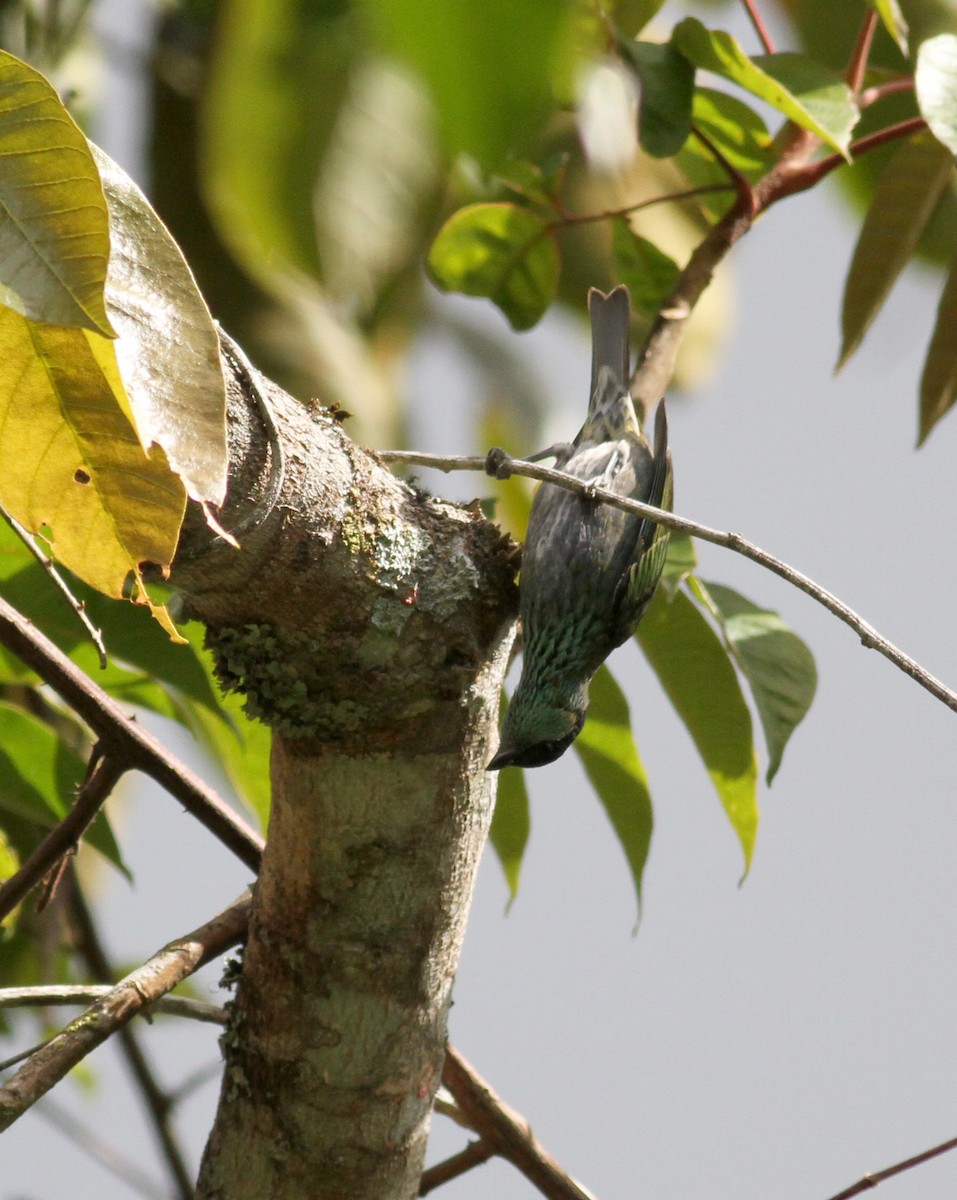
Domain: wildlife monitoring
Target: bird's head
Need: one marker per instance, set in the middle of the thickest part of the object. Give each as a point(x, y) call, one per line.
point(536, 733)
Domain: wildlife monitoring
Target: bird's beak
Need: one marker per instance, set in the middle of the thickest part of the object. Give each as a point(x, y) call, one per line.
point(503, 757)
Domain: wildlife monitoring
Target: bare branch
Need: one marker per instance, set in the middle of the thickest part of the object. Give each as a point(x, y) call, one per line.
point(474, 1154)
point(55, 995)
point(503, 465)
point(89, 1141)
point(123, 739)
point(857, 65)
point(868, 1182)
point(158, 1103)
point(507, 1131)
point(132, 995)
point(102, 776)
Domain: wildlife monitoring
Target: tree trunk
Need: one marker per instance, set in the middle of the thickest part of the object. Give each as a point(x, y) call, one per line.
point(370, 625)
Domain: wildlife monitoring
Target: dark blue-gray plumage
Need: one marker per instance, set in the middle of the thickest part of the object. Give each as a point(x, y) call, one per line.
point(589, 571)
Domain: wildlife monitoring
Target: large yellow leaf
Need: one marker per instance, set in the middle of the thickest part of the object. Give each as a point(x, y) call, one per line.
point(73, 465)
point(54, 236)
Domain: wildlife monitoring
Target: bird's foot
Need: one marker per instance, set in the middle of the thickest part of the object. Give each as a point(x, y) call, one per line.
point(498, 463)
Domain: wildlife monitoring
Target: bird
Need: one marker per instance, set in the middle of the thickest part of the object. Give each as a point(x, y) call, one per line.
point(588, 571)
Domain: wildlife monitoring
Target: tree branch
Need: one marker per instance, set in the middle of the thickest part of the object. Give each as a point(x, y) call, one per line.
point(868, 1182)
point(857, 64)
point(132, 995)
point(759, 26)
point(157, 1102)
point(474, 1154)
point(507, 1131)
point(102, 776)
point(54, 995)
point(501, 465)
point(124, 740)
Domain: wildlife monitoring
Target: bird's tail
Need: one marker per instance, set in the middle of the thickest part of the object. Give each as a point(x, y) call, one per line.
point(610, 322)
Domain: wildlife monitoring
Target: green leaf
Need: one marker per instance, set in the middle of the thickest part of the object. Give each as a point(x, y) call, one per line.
point(904, 201)
point(935, 82)
point(279, 72)
point(802, 90)
point(649, 273)
point(734, 128)
point(502, 252)
point(893, 21)
point(54, 230)
point(40, 775)
point(938, 385)
point(667, 85)
point(680, 562)
point(510, 827)
point(608, 753)
point(488, 67)
point(777, 665)
point(694, 669)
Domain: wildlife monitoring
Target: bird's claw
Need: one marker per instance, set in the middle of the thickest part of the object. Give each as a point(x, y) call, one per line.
point(497, 463)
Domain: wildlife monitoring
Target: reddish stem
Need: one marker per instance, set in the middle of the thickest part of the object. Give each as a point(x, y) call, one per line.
point(857, 64)
point(759, 26)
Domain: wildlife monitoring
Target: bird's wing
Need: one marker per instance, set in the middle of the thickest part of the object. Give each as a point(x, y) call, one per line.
point(639, 581)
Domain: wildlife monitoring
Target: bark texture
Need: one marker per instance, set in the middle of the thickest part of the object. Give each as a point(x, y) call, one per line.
point(370, 625)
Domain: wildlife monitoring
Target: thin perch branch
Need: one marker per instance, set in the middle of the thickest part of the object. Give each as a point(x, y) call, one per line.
point(132, 995)
point(502, 465)
point(474, 1154)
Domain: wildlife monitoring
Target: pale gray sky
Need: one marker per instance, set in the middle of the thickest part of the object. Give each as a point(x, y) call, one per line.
point(766, 1042)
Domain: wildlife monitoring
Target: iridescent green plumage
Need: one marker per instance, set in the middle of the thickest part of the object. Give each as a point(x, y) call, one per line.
point(589, 571)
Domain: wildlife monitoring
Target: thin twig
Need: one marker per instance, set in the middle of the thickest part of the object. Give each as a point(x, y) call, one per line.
point(759, 26)
point(857, 64)
point(87, 1139)
point(474, 1154)
point(131, 745)
point(868, 1182)
point(157, 1102)
point(904, 83)
point(102, 776)
point(504, 465)
point(46, 562)
point(816, 171)
point(55, 995)
point(159, 975)
point(507, 1131)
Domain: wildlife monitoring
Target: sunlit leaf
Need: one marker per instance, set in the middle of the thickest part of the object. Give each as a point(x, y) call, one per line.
point(798, 87)
point(904, 200)
point(511, 825)
point(893, 21)
point(54, 232)
point(732, 127)
point(938, 385)
point(935, 81)
point(73, 466)
point(168, 348)
point(502, 252)
point(489, 67)
point(608, 753)
point(778, 666)
point(700, 680)
point(667, 84)
point(649, 273)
